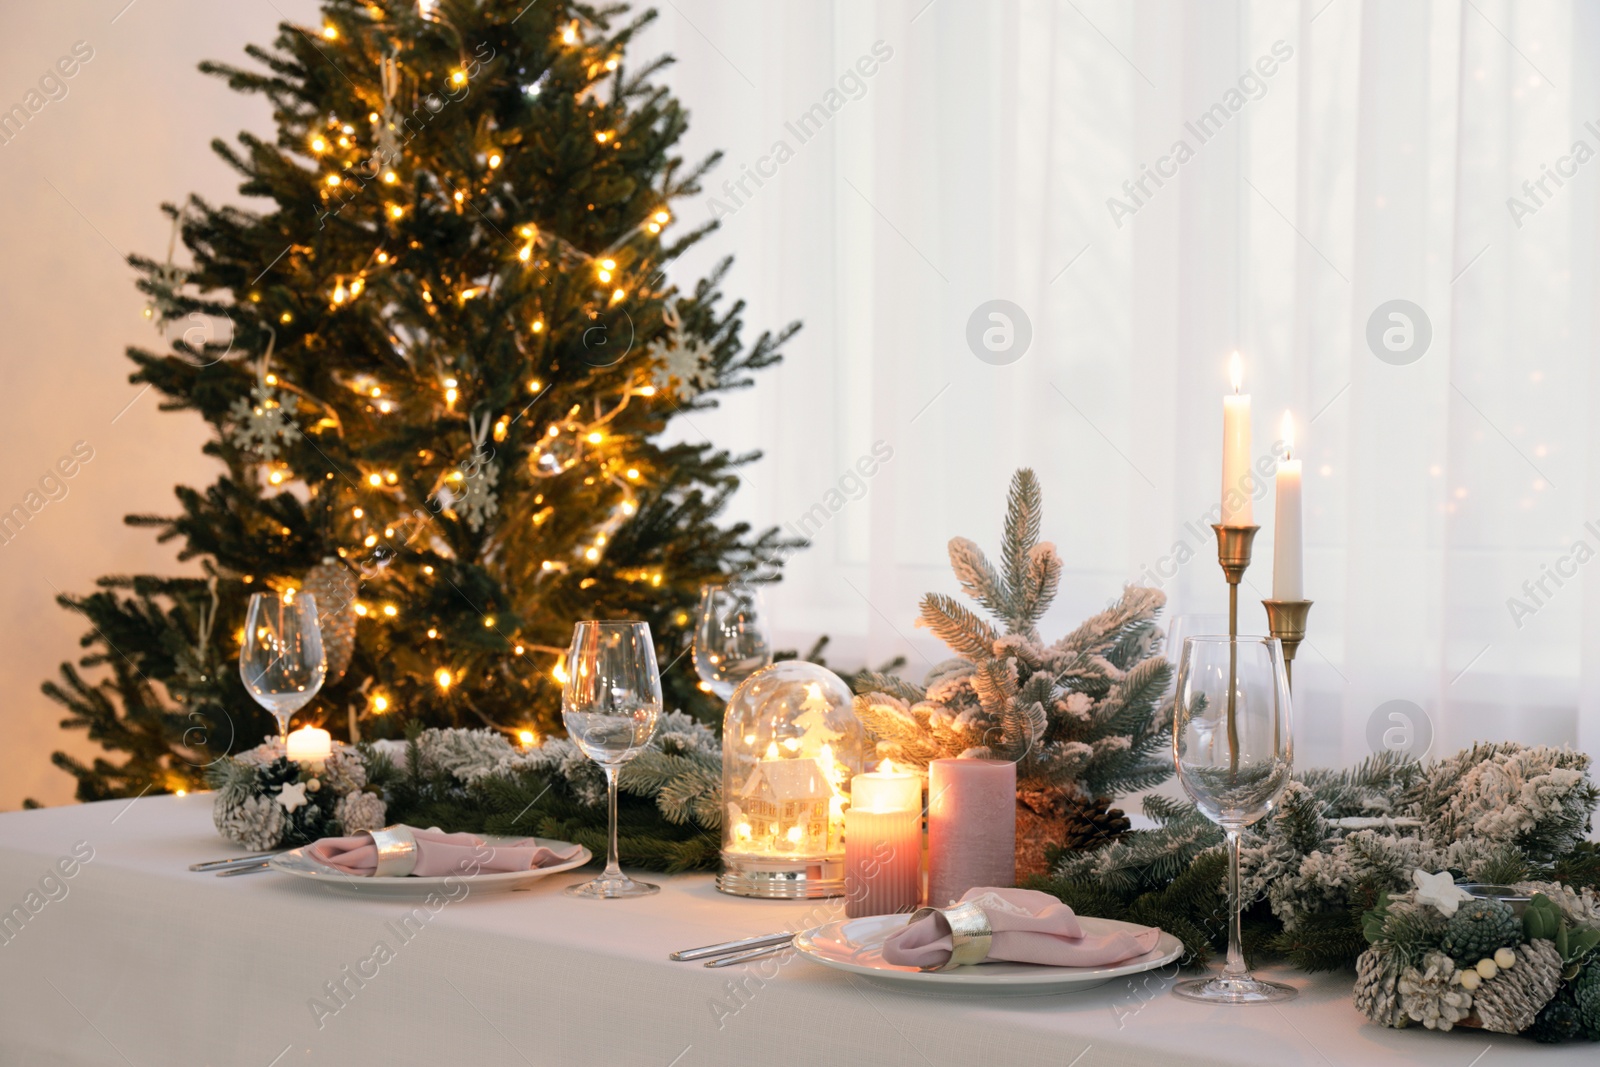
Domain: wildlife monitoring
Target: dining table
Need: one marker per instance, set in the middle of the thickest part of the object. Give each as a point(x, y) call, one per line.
point(134, 960)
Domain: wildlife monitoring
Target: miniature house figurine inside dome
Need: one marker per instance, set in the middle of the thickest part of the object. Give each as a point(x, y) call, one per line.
point(790, 745)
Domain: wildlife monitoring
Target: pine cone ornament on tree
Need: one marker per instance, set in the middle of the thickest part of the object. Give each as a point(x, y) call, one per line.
point(1377, 976)
point(334, 586)
point(1478, 928)
point(1509, 1002)
point(1429, 994)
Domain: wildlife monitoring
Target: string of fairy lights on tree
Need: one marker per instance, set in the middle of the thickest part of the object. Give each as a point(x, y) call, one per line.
point(361, 166)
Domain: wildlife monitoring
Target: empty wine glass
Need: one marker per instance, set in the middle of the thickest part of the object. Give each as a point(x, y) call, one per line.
point(281, 660)
point(1232, 744)
point(730, 636)
point(1191, 625)
point(610, 705)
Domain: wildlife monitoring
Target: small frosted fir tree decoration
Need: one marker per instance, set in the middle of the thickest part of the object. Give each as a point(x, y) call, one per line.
point(1083, 718)
point(813, 719)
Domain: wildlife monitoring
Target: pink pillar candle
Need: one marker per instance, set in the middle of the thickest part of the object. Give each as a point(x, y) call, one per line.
point(972, 827)
point(883, 844)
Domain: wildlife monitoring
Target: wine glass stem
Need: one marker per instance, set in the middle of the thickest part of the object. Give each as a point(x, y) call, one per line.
point(1235, 967)
point(613, 868)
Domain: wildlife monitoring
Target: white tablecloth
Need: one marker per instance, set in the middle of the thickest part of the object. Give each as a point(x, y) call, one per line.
point(133, 960)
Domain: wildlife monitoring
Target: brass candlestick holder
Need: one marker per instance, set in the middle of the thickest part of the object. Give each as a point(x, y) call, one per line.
point(1233, 553)
point(1286, 619)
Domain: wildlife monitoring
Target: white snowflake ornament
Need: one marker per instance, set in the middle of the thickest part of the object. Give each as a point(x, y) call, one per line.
point(265, 422)
point(165, 279)
point(1440, 890)
point(680, 364)
point(477, 502)
point(293, 796)
point(471, 486)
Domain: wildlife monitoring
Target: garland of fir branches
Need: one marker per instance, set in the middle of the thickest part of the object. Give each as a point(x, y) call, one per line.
point(1338, 841)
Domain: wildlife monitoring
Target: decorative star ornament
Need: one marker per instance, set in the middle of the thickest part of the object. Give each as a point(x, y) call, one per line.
point(1440, 890)
point(294, 796)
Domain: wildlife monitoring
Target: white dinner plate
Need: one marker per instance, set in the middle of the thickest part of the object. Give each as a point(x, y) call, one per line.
point(856, 945)
point(298, 862)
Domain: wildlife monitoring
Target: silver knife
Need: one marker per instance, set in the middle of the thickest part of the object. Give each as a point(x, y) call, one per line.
point(753, 954)
point(235, 861)
point(726, 947)
point(260, 865)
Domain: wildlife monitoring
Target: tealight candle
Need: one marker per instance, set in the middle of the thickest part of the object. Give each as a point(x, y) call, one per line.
point(883, 843)
point(310, 745)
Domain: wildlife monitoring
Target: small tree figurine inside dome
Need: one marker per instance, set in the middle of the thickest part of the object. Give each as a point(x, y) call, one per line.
point(790, 745)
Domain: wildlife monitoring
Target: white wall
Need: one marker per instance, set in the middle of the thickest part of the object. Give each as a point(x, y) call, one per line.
point(80, 187)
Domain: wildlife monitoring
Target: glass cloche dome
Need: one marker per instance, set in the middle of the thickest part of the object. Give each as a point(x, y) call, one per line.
point(790, 745)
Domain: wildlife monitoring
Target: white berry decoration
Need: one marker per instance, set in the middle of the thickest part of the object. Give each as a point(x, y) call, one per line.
point(1487, 969)
point(1505, 958)
point(1469, 980)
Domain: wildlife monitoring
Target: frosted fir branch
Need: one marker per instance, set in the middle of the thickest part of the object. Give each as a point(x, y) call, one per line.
point(1024, 515)
point(1130, 703)
point(866, 681)
point(1042, 577)
point(1101, 632)
point(995, 682)
point(978, 578)
point(957, 626)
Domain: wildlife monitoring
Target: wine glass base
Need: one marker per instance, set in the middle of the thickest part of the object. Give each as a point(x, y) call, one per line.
point(615, 888)
point(1238, 990)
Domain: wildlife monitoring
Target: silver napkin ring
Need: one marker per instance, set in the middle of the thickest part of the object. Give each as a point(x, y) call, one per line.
point(397, 851)
point(970, 933)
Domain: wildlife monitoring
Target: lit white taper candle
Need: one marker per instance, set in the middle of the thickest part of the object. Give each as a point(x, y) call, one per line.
point(1288, 549)
point(1237, 479)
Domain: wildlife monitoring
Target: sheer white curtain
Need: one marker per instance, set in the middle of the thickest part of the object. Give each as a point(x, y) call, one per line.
point(1336, 155)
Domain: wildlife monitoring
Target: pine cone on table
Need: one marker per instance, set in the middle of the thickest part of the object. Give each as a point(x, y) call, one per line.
point(1558, 1021)
point(1478, 928)
point(1057, 820)
point(361, 811)
point(256, 822)
point(1586, 998)
point(1377, 975)
point(1509, 1002)
point(1089, 826)
point(1430, 994)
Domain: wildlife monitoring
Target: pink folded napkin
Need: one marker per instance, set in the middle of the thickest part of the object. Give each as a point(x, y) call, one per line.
point(1029, 927)
point(439, 854)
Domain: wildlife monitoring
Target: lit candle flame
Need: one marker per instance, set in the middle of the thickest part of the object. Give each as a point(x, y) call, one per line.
point(772, 750)
point(1236, 371)
point(1288, 435)
point(888, 767)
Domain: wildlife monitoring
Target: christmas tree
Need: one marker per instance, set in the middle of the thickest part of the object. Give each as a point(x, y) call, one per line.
point(446, 351)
